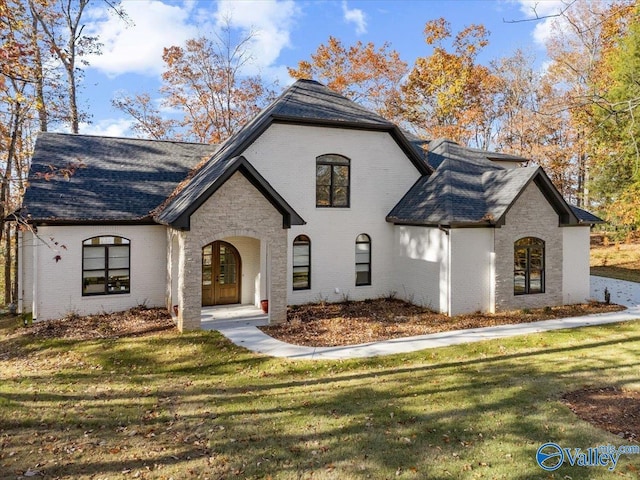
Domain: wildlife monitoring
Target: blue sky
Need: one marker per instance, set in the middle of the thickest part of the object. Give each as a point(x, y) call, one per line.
point(287, 31)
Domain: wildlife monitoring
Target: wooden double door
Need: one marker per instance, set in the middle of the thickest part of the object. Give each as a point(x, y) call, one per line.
point(221, 273)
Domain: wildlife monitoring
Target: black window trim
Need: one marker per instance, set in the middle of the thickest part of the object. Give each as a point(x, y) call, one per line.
point(344, 162)
point(293, 266)
point(105, 270)
point(368, 242)
point(527, 272)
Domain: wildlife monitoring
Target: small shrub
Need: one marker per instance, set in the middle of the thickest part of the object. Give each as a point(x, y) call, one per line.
point(391, 295)
point(547, 309)
point(605, 241)
point(526, 311)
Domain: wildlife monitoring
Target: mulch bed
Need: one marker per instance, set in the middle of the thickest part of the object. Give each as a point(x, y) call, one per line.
point(610, 408)
point(352, 323)
point(133, 322)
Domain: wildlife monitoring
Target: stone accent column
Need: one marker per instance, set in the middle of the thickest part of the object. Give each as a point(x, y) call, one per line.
point(278, 282)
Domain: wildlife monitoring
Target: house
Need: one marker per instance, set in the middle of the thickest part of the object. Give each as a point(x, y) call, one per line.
point(316, 198)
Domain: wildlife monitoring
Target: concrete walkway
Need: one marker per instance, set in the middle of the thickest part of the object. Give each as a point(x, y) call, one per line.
point(246, 334)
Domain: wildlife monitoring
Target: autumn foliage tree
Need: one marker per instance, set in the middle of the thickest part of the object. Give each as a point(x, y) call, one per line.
point(447, 93)
point(361, 72)
point(616, 114)
point(206, 81)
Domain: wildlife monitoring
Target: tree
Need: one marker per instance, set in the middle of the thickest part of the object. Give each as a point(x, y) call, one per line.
point(582, 37)
point(206, 81)
point(617, 115)
point(447, 93)
point(149, 122)
point(361, 72)
point(61, 26)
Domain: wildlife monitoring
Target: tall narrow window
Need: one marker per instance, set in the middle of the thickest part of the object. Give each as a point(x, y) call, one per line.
point(363, 260)
point(301, 263)
point(105, 266)
point(528, 269)
point(332, 181)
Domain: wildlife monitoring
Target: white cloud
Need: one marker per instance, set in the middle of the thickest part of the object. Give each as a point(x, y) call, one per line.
point(137, 48)
point(537, 9)
point(108, 127)
point(270, 21)
point(355, 16)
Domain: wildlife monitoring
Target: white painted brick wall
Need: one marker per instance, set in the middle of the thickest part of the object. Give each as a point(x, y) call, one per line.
point(470, 270)
point(60, 283)
point(575, 267)
point(25, 267)
point(380, 175)
point(420, 259)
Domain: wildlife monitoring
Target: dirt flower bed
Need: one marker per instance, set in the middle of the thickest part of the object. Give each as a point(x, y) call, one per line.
point(136, 321)
point(609, 408)
point(351, 323)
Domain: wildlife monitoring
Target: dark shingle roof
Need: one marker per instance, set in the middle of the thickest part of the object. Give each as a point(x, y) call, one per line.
point(305, 102)
point(442, 148)
point(123, 179)
point(585, 217)
point(467, 189)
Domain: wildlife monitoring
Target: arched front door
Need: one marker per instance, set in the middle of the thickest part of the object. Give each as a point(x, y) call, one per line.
point(221, 273)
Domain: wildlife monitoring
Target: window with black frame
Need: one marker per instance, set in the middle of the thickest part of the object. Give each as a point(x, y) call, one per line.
point(528, 270)
point(332, 181)
point(363, 260)
point(301, 263)
point(106, 266)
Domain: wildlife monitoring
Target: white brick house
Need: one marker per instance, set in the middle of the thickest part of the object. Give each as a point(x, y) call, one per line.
point(315, 199)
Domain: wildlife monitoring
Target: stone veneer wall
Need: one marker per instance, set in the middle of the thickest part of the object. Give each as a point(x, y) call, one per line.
point(237, 208)
point(530, 216)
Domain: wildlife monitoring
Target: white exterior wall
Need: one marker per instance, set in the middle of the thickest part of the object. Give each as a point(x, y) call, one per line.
point(380, 175)
point(59, 289)
point(471, 266)
point(25, 271)
point(249, 250)
point(575, 265)
point(421, 257)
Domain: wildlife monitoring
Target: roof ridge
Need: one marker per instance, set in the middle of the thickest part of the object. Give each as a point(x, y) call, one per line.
point(135, 139)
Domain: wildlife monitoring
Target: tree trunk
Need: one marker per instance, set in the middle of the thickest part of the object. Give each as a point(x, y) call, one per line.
point(43, 116)
point(7, 265)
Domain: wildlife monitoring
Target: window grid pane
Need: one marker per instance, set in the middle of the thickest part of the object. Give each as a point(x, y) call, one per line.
point(301, 263)
point(528, 269)
point(363, 260)
point(105, 268)
point(332, 181)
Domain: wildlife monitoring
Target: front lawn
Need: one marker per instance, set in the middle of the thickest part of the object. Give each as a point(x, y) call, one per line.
point(165, 405)
point(621, 261)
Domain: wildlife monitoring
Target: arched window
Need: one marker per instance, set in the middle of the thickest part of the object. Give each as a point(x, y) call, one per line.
point(528, 269)
point(301, 263)
point(332, 181)
point(363, 259)
point(105, 266)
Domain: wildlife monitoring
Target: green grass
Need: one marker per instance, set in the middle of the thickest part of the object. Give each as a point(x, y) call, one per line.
point(617, 261)
point(196, 406)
